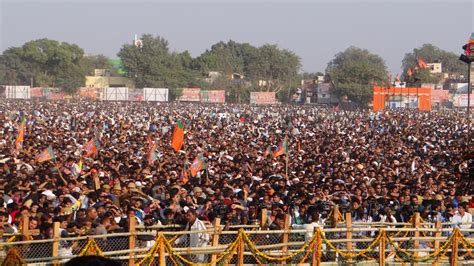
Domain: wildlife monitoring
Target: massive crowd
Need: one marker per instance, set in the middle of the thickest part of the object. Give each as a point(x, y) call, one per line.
point(378, 166)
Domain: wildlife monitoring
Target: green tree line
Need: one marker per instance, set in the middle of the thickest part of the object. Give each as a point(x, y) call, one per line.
point(50, 63)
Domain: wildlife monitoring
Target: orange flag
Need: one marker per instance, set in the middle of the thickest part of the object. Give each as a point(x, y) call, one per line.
point(21, 134)
point(197, 165)
point(91, 147)
point(177, 140)
point(422, 63)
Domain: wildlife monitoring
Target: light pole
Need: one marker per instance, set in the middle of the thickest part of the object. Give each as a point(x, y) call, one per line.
point(468, 58)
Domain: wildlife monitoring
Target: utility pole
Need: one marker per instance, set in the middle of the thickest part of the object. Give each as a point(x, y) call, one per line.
point(467, 58)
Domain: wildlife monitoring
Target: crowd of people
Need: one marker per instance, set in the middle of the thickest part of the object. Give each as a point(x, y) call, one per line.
point(378, 166)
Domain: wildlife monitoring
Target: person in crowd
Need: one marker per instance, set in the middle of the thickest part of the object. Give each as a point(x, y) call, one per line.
point(102, 171)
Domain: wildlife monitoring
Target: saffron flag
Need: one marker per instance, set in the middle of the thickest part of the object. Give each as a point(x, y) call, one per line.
point(152, 155)
point(21, 134)
point(46, 155)
point(282, 149)
point(198, 165)
point(184, 174)
point(267, 151)
point(409, 72)
point(177, 140)
point(91, 147)
point(422, 64)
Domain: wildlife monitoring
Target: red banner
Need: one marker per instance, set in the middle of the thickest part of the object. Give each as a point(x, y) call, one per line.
point(213, 96)
point(191, 95)
point(86, 92)
point(263, 97)
point(36, 92)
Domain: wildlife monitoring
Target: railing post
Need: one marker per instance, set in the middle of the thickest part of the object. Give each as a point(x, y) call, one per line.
point(454, 248)
point(382, 248)
point(349, 234)
point(25, 223)
point(263, 218)
point(416, 226)
point(162, 250)
point(314, 257)
point(131, 239)
point(436, 242)
point(286, 228)
point(215, 237)
point(319, 245)
point(335, 216)
point(56, 236)
point(241, 250)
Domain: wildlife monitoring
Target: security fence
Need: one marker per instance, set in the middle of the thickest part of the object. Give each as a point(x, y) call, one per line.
point(416, 242)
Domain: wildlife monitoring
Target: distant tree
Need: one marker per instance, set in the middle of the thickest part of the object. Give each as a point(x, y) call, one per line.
point(227, 58)
point(430, 54)
point(308, 75)
point(49, 63)
point(354, 71)
point(277, 68)
point(97, 62)
point(153, 65)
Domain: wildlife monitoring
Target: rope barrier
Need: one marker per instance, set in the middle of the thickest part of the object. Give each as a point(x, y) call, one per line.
point(307, 248)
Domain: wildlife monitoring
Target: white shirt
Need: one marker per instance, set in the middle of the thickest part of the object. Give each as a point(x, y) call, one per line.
point(462, 222)
point(309, 228)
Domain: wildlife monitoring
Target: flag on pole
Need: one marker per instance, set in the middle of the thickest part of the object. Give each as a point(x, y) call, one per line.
point(21, 134)
point(46, 155)
point(92, 147)
point(184, 174)
point(268, 151)
point(198, 165)
point(282, 149)
point(422, 63)
point(177, 140)
point(152, 155)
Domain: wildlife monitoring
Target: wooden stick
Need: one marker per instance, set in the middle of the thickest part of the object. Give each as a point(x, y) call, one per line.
point(132, 239)
point(416, 243)
point(436, 242)
point(349, 234)
point(56, 236)
point(215, 237)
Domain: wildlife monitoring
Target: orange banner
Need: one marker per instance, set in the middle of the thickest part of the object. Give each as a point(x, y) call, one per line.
point(191, 95)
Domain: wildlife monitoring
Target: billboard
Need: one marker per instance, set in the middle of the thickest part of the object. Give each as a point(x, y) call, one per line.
point(155, 94)
point(36, 92)
point(439, 96)
point(115, 94)
point(190, 95)
point(401, 97)
point(17, 92)
point(135, 95)
point(460, 100)
point(56, 96)
point(213, 96)
point(262, 97)
point(87, 92)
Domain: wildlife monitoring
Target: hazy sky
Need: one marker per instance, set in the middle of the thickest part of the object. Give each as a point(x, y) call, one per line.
point(315, 30)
